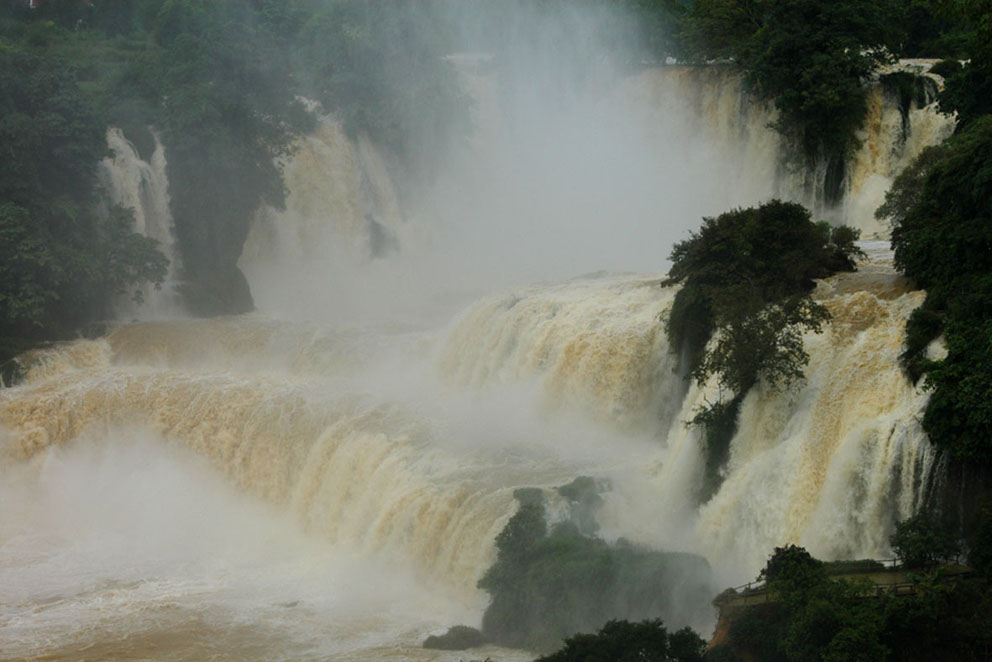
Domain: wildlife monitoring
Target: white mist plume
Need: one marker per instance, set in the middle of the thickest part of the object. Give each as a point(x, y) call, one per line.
point(570, 168)
point(127, 541)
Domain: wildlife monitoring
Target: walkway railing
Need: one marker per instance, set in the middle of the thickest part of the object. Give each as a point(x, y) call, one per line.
point(755, 592)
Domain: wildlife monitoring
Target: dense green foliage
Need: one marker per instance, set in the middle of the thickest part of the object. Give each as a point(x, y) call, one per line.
point(980, 541)
point(968, 91)
point(812, 58)
point(549, 585)
point(220, 82)
point(60, 261)
point(922, 541)
point(792, 566)
point(623, 641)
point(942, 237)
point(746, 280)
point(928, 29)
point(815, 618)
point(744, 262)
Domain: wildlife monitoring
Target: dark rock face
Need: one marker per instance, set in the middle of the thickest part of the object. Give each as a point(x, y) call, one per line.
point(458, 638)
point(224, 291)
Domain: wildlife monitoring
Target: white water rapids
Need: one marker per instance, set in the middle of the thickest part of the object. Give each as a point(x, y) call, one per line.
point(376, 466)
point(325, 479)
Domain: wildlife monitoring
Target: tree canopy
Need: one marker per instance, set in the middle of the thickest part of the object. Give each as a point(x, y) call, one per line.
point(746, 280)
point(60, 261)
point(812, 616)
point(922, 541)
point(221, 83)
point(942, 237)
point(547, 585)
point(623, 641)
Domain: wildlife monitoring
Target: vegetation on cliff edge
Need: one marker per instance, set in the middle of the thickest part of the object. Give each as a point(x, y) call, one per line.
point(814, 617)
point(546, 585)
point(747, 277)
point(221, 82)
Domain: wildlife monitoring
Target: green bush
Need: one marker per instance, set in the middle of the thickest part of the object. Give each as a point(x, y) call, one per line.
point(922, 541)
point(623, 641)
point(547, 586)
point(946, 68)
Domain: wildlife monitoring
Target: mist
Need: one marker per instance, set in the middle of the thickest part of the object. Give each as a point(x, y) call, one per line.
point(447, 310)
point(578, 159)
point(130, 542)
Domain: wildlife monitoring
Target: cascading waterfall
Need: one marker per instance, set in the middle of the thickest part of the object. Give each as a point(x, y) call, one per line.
point(339, 189)
point(834, 464)
point(142, 185)
point(890, 140)
point(367, 449)
point(830, 465)
point(846, 446)
point(342, 210)
point(598, 340)
point(713, 102)
point(375, 461)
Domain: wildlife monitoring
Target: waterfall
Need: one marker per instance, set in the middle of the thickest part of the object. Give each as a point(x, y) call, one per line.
point(714, 104)
point(891, 139)
point(342, 211)
point(289, 413)
point(326, 478)
point(525, 198)
point(830, 465)
point(141, 185)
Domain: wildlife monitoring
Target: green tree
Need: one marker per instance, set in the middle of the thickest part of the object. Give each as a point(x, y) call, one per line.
point(968, 93)
point(922, 541)
point(623, 641)
point(61, 263)
point(792, 568)
point(942, 238)
point(746, 280)
point(811, 58)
